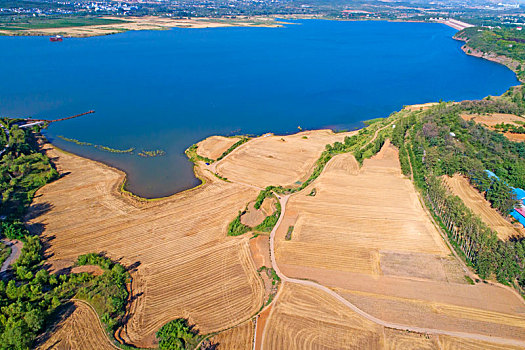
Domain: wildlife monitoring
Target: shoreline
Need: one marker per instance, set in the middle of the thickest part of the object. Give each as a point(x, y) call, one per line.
point(146, 23)
point(490, 56)
point(200, 173)
point(167, 23)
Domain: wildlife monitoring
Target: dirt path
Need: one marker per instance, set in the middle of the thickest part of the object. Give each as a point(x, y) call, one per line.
point(16, 249)
point(285, 279)
point(7, 135)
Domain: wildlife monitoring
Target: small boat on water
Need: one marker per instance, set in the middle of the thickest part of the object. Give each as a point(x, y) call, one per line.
point(56, 38)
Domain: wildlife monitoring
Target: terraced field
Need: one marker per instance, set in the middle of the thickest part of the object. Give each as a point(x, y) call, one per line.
point(460, 187)
point(79, 330)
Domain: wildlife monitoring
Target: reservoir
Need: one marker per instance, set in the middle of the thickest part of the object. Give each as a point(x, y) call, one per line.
point(166, 90)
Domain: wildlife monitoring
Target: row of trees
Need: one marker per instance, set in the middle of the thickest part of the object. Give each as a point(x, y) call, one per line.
point(480, 245)
point(440, 142)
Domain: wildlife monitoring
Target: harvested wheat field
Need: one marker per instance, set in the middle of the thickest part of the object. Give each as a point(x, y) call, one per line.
point(237, 338)
point(451, 343)
point(277, 160)
point(183, 263)
point(495, 118)
point(214, 146)
point(80, 329)
point(460, 186)
point(366, 234)
point(305, 318)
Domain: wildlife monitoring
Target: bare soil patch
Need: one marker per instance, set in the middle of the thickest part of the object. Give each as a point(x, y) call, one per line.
point(460, 186)
point(421, 107)
point(253, 217)
point(436, 268)
point(260, 251)
point(494, 118)
point(491, 120)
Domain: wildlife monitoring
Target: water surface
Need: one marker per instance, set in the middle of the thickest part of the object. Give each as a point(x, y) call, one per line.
point(169, 89)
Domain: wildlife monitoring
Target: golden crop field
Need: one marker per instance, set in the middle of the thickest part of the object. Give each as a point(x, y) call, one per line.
point(366, 233)
point(277, 160)
point(214, 146)
point(460, 187)
point(305, 318)
point(80, 330)
point(237, 338)
point(185, 265)
point(363, 233)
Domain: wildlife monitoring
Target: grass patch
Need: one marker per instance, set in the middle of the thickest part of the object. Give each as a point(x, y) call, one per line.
point(5, 251)
point(469, 280)
point(289, 233)
point(32, 23)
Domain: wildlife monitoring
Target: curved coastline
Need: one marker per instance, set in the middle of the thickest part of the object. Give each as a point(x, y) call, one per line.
point(198, 173)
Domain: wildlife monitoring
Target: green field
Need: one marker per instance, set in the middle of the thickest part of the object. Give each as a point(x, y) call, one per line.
point(45, 23)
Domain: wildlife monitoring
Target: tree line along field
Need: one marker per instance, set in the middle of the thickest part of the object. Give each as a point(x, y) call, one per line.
point(366, 234)
point(460, 187)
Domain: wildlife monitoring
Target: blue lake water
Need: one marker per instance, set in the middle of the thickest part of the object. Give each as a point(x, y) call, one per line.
point(169, 89)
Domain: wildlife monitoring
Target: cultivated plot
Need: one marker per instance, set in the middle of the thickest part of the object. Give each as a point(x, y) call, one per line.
point(79, 329)
point(277, 160)
point(183, 263)
point(461, 187)
point(366, 234)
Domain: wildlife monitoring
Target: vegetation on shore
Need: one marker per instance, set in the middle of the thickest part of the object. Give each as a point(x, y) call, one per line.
point(23, 169)
point(439, 142)
point(507, 42)
point(153, 153)
point(30, 295)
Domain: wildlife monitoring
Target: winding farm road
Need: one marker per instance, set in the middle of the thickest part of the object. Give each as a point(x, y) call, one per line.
point(283, 200)
point(16, 249)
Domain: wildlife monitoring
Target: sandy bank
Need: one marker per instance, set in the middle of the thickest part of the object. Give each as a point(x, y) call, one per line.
point(145, 23)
